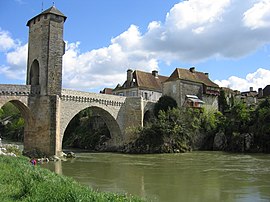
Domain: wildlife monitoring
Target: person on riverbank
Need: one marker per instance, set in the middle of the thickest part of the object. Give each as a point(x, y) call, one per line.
point(33, 161)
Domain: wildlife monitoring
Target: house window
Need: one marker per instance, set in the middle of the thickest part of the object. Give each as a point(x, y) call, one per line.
point(146, 96)
point(121, 94)
point(134, 94)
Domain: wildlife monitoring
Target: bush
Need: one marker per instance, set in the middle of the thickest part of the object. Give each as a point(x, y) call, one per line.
point(164, 104)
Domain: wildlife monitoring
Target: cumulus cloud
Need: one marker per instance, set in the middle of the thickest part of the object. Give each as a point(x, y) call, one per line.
point(197, 30)
point(258, 79)
point(193, 31)
point(16, 63)
point(106, 66)
point(6, 41)
point(258, 16)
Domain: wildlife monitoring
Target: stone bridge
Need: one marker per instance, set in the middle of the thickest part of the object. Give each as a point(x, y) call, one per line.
point(46, 118)
point(47, 108)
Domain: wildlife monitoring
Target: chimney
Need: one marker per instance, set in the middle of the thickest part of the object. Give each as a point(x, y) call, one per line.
point(155, 73)
point(206, 74)
point(250, 89)
point(192, 69)
point(129, 75)
point(260, 92)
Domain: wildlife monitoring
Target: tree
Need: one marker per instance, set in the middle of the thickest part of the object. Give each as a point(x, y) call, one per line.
point(222, 102)
point(14, 129)
point(164, 103)
point(261, 126)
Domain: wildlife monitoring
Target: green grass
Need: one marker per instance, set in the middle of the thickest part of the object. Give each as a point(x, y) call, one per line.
point(20, 181)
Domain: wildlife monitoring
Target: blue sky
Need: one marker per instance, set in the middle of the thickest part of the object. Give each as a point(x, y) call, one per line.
point(229, 39)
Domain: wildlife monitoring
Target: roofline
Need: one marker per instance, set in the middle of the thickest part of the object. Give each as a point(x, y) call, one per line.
point(48, 11)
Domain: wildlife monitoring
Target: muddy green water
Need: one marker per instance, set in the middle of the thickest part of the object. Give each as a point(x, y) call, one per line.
point(196, 176)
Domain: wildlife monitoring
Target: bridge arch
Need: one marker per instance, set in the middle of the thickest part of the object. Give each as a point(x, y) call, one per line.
point(26, 115)
point(106, 116)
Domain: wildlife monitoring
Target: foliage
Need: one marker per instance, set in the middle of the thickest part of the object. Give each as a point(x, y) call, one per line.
point(20, 181)
point(210, 120)
point(261, 126)
point(164, 103)
point(239, 118)
point(171, 131)
point(14, 129)
point(222, 102)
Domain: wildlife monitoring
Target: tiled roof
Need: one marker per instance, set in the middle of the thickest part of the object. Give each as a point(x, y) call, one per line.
point(148, 80)
point(189, 75)
point(52, 10)
point(144, 80)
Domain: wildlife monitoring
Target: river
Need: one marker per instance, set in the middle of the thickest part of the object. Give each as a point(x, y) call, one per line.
point(195, 176)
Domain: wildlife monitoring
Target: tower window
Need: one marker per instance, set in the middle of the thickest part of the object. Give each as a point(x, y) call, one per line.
point(34, 73)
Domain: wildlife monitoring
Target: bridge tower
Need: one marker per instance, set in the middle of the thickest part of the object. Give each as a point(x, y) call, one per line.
point(45, 50)
point(44, 73)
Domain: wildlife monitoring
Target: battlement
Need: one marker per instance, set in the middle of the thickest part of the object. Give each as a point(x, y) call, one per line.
point(79, 96)
point(10, 89)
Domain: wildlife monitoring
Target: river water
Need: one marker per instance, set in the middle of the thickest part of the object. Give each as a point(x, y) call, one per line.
point(195, 176)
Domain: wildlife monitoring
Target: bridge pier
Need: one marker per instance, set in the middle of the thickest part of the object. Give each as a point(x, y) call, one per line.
point(43, 133)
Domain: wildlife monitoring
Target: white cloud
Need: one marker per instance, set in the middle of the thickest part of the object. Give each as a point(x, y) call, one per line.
point(106, 66)
point(6, 41)
point(258, 79)
point(16, 63)
point(196, 30)
point(258, 16)
point(193, 31)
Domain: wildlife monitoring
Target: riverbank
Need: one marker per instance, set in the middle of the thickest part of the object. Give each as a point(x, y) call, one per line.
point(20, 181)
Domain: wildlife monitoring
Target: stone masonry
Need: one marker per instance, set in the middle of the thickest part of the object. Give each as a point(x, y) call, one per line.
point(47, 108)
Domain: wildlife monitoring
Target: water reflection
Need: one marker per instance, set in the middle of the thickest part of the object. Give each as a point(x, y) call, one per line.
point(196, 176)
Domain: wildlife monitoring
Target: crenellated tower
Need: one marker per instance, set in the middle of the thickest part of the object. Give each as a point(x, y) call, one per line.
point(45, 50)
point(44, 74)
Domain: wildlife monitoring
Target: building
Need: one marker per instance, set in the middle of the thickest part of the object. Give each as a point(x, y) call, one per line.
point(144, 84)
point(266, 91)
point(248, 97)
point(184, 84)
point(193, 101)
point(106, 91)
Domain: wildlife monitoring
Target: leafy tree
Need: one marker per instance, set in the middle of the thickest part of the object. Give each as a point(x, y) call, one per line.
point(14, 129)
point(164, 103)
point(261, 126)
point(222, 102)
point(172, 131)
point(239, 118)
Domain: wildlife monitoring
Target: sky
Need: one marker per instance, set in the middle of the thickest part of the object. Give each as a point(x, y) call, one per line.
point(229, 39)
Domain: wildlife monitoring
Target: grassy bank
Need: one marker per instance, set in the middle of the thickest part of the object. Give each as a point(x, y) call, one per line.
point(20, 181)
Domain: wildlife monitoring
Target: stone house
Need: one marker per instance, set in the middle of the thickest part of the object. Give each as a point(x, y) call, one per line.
point(144, 84)
point(106, 91)
point(248, 97)
point(186, 84)
point(266, 91)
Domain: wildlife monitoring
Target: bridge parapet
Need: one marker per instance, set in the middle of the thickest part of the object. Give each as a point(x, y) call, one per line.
point(86, 97)
point(9, 89)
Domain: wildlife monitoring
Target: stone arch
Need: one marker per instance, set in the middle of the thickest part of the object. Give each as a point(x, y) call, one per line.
point(26, 114)
point(108, 118)
point(148, 117)
point(34, 73)
point(148, 112)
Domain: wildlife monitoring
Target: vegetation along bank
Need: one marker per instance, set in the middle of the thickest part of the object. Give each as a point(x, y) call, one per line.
point(21, 181)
